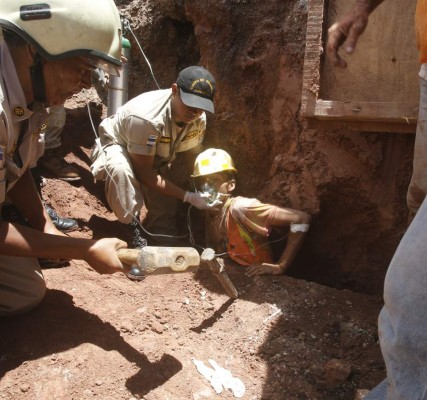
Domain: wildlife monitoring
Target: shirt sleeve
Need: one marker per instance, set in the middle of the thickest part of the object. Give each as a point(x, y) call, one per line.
point(142, 136)
point(253, 214)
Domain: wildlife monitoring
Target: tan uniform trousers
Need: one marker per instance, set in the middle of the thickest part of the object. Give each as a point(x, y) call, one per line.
point(418, 185)
point(125, 194)
point(22, 286)
point(122, 189)
point(55, 124)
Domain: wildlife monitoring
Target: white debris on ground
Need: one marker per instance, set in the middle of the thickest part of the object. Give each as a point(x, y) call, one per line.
point(220, 378)
point(275, 312)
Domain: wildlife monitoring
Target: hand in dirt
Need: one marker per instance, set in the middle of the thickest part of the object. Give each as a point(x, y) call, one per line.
point(347, 31)
point(264, 269)
point(102, 255)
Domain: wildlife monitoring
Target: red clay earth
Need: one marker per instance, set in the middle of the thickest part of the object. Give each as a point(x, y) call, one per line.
point(107, 337)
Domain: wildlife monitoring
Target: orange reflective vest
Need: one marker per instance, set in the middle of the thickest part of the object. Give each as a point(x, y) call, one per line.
point(243, 248)
point(421, 29)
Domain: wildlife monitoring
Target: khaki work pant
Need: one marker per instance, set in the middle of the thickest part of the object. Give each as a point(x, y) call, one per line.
point(125, 194)
point(122, 189)
point(418, 185)
point(22, 286)
point(55, 124)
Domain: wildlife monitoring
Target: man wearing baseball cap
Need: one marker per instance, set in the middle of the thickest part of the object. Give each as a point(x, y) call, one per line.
point(147, 151)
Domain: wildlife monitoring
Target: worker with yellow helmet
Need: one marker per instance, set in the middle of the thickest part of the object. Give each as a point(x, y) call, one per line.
point(47, 53)
point(241, 226)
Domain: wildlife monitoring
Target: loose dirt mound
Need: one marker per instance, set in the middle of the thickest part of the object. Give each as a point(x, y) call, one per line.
point(111, 338)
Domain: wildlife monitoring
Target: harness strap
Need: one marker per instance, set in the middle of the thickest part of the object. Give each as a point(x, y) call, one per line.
point(37, 79)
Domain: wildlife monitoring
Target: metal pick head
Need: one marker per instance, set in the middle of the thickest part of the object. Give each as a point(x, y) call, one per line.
point(135, 274)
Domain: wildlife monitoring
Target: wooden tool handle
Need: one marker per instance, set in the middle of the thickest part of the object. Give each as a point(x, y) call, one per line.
point(128, 256)
point(217, 267)
point(154, 260)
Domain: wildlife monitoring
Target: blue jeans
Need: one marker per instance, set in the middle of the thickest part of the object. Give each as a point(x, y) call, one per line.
point(402, 322)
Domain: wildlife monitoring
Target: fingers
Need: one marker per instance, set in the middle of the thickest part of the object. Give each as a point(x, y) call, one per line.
point(120, 244)
point(336, 37)
point(254, 270)
point(263, 269)
point(345, 33)
point(103, 255)
point(355, 31)
point(215, 203)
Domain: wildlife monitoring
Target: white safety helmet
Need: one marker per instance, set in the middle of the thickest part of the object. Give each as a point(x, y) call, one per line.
point(67, 28)
point(212, 161)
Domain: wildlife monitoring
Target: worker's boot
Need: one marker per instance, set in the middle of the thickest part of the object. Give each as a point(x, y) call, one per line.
point(53, 161)
point(11, 214)
point(138, 242)
point(46, 263)
point(62, 224)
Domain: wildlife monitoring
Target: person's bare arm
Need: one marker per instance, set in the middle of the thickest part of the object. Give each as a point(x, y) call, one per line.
point(285, 217)
point(347, 30)
point(45, 241)
point(20, 241)
point(143, 168)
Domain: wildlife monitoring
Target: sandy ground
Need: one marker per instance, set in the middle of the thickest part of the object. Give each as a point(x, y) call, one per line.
point(109, 337)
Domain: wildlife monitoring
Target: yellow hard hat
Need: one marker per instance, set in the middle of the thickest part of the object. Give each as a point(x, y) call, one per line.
point(212, 161)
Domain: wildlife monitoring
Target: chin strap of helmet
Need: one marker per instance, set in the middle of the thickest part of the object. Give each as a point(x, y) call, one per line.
point(37, 79)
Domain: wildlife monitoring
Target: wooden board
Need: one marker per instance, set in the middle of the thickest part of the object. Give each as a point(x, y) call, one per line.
point(380, 85)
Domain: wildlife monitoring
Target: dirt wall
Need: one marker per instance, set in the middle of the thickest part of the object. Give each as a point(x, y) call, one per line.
point(354, 184)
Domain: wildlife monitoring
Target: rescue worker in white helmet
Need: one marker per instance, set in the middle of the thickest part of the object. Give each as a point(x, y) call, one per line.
point(241, 226)
point(47, 53)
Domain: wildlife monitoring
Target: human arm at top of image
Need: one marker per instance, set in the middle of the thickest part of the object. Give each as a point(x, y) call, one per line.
point(20, 241)
point(347, 30)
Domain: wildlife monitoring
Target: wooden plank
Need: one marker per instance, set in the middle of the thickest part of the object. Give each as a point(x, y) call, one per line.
point(371, 111)
point(371, 126)
point(380, 86)
point(313, 50)
point(384, 66)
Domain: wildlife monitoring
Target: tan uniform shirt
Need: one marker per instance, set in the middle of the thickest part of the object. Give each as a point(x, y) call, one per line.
point(22, 286)
point(144, 126)
point(21, 141)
